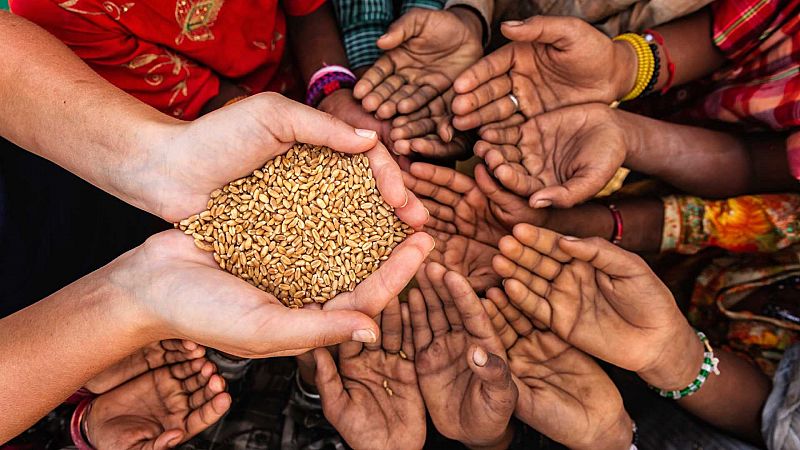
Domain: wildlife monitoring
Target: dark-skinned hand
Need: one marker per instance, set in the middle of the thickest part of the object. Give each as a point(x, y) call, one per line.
point(373, 399)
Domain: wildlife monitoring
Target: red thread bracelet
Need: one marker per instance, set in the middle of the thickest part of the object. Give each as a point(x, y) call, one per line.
point(656, 36)
point(616, 237)
point(76, 424)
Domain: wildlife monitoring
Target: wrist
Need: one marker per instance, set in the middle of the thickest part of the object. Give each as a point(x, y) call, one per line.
point(501, 443)
point(470, 18)
point(626, 65)
point(617, 437)
point(679, 362)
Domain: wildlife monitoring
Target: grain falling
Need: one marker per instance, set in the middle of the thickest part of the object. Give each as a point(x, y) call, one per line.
point(307, 226)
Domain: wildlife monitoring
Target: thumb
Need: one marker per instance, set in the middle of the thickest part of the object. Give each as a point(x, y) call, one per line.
point(581, 186)
point(409, 25)
point(328, 381)
point(300, 329)
point(168, 439)
point(552, 30)
point(291, 121)
point(493, 371)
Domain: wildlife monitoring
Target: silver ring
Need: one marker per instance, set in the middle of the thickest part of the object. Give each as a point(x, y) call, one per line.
point(514, 101)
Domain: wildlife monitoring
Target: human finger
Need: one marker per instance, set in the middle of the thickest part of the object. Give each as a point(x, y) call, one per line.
point(392, 327)
point(436, 274)
point(421, 332)
point(521, 325)
point(373, 77)
point(489, 67)
point(407, 346)
point(437, 318)
point(483, 95)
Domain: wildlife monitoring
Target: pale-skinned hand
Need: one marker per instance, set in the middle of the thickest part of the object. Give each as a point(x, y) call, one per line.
point(599, 298)
point(460, 360)
point(159, 409)
point(560, 158)
point(342, 105)
point(147, 358)
point(191, 159)
point(373, 399)
point(551, 62)
point(218, 310)
point(424, 51)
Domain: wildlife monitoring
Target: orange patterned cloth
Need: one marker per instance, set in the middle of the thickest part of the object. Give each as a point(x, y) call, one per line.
point(751, 223)
point(172, 54)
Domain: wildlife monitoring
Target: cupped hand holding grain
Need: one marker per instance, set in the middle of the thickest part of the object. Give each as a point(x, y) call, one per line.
point(197, 157)
point(178, 291)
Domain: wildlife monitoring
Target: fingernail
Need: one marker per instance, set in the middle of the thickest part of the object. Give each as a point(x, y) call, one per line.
point(384, 36)
point(542, 204)
point(479, 357)
point(513, 23)
point(369, 134)
point(428, 213)
point(406, 201)
point(366, 336)
point(433, 245)
point(571, 238)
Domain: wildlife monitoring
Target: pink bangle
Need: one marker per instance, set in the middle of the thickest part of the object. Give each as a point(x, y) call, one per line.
point(326, 70)
point(616, 238)
point(76, 424)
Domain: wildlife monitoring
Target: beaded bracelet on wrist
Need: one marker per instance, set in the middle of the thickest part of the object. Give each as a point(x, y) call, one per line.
point(709, 366)
point(327, 84)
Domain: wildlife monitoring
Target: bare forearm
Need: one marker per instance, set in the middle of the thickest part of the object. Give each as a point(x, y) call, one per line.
point(48, 350)
point(733, 400)
point(53, 105)
point(691, 48)
point(696, 160)
point(642, 218)
point(315, 41)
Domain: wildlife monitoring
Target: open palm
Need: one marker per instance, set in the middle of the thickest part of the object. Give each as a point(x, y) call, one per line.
point(467, 402)
point(373, 400)
point(468, 257)
point(594, 295)
point(564, 157)
point(551, 62)
point(424, 51)
point(158, 409)
point(456, 204)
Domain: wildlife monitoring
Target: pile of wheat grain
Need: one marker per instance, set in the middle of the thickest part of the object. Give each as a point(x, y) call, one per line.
point(307, 226)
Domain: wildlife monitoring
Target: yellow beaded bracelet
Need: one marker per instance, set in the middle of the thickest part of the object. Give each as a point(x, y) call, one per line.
point(646, 63)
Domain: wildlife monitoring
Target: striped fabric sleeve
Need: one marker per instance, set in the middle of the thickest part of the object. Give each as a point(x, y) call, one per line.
point(362, 23)
point(427, 4)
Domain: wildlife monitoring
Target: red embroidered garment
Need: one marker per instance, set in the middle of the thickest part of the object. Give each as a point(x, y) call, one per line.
point(761, 86)
point(172, 53)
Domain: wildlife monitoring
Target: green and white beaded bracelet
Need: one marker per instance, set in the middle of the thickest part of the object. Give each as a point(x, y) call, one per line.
point(710, 365)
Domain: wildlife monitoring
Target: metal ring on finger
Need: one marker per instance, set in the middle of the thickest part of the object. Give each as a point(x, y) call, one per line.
point(515, 101)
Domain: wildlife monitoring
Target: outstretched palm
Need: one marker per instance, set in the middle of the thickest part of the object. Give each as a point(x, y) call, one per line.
point(465, 403)
point(564, 157)
point(373, 400)
point(158, 409)
point(425, 51)
point(551, 62)
point(592, 294)
point(455, 203)
point(468, 257)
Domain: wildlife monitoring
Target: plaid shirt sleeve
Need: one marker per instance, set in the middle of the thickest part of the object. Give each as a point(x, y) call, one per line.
point(362, 22)
point(427, 4)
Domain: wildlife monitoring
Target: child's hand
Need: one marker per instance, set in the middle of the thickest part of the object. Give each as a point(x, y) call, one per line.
point(551, 62)
point(596, 296)
point(467, 257)
point(460, 360)
point(455, 203)
point(424, 51)
point(563, 393)
point(147, 358)
point(373, 400)
point(159, 409)
point(560, 158)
